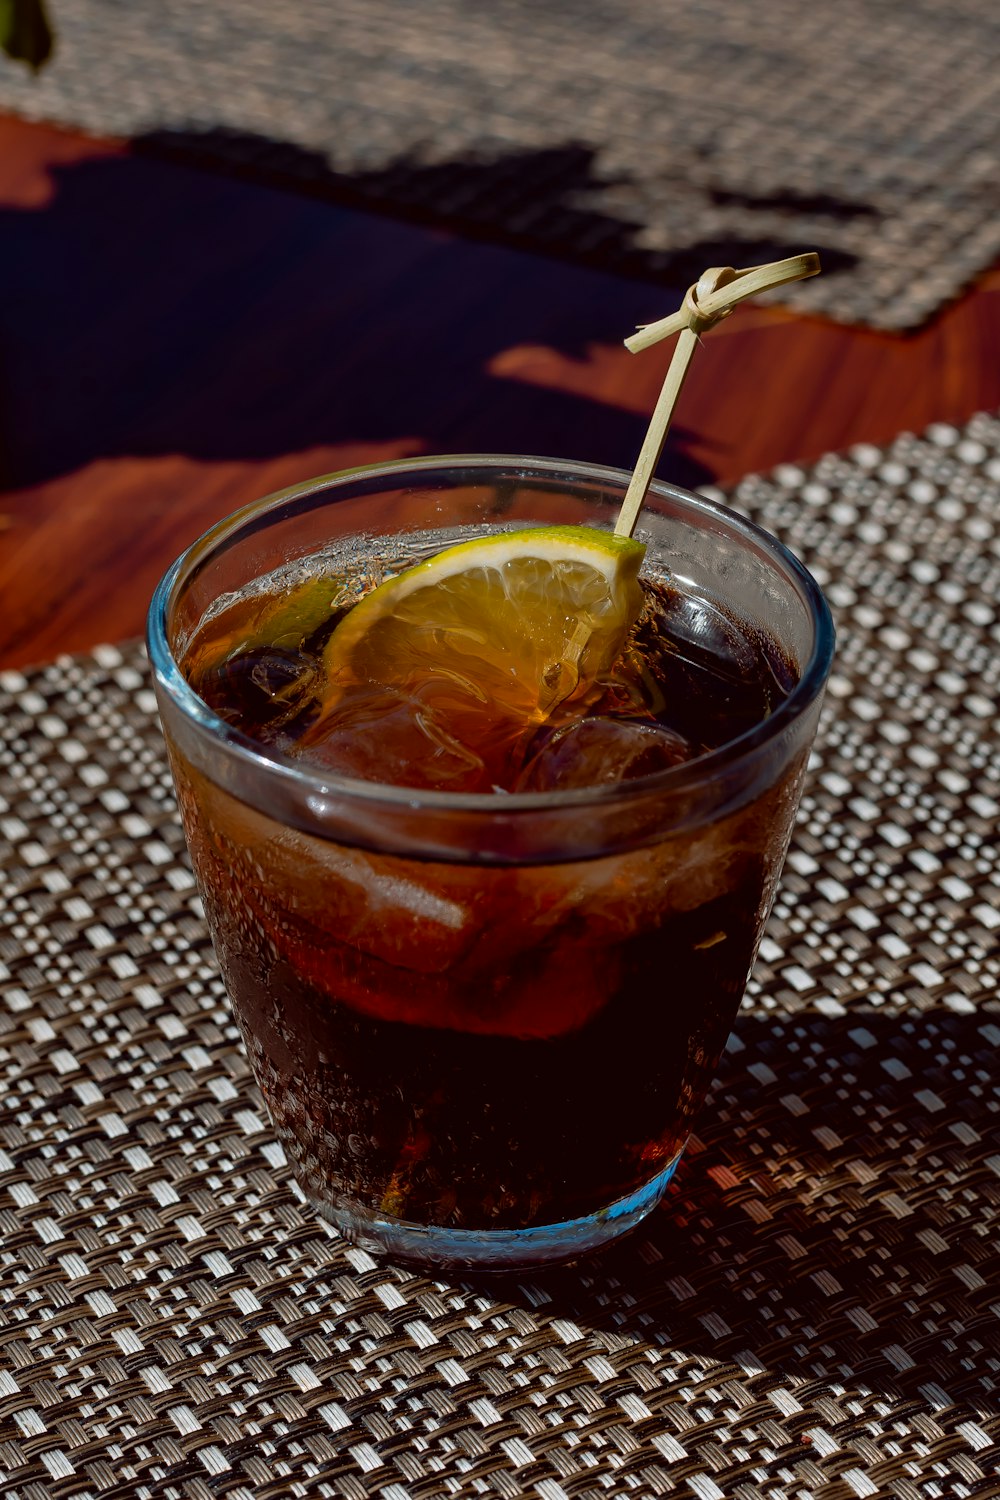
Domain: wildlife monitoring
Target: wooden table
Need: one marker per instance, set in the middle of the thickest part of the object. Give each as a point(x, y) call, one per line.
point(174, 343)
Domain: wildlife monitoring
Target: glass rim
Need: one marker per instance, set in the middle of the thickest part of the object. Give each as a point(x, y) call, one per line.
point(326, 784)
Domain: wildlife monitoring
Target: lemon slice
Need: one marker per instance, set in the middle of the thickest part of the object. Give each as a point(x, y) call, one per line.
point(508, 630)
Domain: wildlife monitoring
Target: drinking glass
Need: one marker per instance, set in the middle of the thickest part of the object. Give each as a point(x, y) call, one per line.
point(483, 1023)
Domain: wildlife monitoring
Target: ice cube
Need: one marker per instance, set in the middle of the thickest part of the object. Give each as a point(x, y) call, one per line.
point(598, 751)
point(264, 688)
point(416, 918)
point(381, 734)
point(449, 946)
point(701, 632)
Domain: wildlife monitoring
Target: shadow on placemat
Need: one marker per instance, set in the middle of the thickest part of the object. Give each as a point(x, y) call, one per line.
point(545, 199)
point(835, 1221)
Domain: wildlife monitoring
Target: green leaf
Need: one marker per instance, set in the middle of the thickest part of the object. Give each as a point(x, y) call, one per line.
point(25, 33)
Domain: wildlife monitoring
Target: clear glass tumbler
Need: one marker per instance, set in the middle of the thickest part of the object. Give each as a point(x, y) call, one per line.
point(483, 1023)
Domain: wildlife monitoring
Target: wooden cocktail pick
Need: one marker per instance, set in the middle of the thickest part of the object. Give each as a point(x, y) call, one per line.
point(706, 303)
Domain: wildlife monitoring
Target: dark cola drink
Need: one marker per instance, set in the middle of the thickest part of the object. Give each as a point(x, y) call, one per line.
point(500, 1045)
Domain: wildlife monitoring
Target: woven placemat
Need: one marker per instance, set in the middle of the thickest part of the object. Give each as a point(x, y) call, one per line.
point(816, 1310)
point(650, 138)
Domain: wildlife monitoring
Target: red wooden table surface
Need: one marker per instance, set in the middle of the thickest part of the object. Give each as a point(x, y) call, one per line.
point(174, 343)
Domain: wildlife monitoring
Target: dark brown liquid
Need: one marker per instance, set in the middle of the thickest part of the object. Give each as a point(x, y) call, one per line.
point(691, 679)
point(485, 1047)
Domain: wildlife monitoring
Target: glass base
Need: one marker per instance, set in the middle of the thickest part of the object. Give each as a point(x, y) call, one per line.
point(431, 1246)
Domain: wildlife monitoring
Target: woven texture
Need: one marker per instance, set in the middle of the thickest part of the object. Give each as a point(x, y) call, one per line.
point(651, 138)
point(816, 1310)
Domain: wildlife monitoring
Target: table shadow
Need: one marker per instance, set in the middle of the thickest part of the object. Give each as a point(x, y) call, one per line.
point(535, 199)
point(834, 1224)
point(161, 310)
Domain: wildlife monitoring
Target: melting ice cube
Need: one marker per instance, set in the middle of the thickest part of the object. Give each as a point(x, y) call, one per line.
point(701, 631)
point(598, 751)
point(263, 689)
point(377, 733)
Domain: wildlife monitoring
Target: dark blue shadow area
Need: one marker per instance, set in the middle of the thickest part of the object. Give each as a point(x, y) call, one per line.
point(154, 309)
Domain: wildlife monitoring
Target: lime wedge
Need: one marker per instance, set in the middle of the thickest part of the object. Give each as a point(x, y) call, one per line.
point(515, 628)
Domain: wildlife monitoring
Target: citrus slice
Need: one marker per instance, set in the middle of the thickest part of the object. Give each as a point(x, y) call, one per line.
point(494, 636)
point(284, 620)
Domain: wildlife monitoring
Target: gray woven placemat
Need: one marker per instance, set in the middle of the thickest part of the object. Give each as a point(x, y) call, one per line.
point(652, 138)
point(815, 1312)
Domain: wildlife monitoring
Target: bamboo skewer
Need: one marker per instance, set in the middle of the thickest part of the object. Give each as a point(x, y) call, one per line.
point(706, 303)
